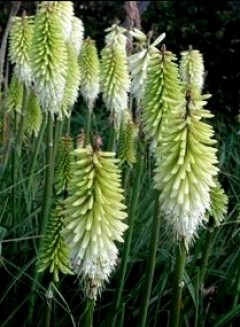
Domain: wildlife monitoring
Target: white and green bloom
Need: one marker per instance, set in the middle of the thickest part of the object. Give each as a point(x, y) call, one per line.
point(186, 168)
point(49, 56)
point(114, 75)
point(139, 62)
point(93, 216)
point(162, 93)
point(21, 35)
point(77, 34)
point(192, 69)
point(66, 13)
point(72, 83)
point(90, 72)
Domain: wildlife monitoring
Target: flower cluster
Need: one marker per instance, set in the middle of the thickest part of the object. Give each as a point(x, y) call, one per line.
point(93, 215)
point(114, 75)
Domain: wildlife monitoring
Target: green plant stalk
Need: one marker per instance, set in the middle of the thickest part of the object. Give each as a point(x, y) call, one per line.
point(46, 206)
point(16, 153)
point(151, 265)
point(48, 313)
point(36, 147)
point(206, 254)
point(88, 313)
point(88, 127)
point(128, 239)
point(47, 195)
point(237, 290)
point(178, 284)
point(14, 175)
point(20, 127)
point(67, 123)
point(57, 135)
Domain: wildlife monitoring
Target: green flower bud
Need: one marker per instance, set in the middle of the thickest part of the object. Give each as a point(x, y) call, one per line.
point(49, 56)
point(162, 93)
point(219, 203)
point(54, 253)
point(72, 84)
point(20, 43)
point(93, 215)
point(128, 140)
point(186, 168)
point(192, 68)
point(33, 116)
point(89, 67)
point(114, 75)
point(63, 164)
point(15, 95)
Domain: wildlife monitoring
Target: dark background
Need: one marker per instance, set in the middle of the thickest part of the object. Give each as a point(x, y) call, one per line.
point(213, 28)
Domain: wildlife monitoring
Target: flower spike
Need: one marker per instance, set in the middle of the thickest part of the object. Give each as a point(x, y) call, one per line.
point(93, 216)
point(49, 65)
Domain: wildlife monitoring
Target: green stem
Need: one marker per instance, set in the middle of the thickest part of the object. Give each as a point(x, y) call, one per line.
point(14, 175)
point(236, 290)
point(57, 136)
point(206, 254)
point(88, 314)
point(36, 148)
point(88, 127)
point(206, 251)
point(20, 132)
point(16, 153)
point(46, 206)
point(151, 265)
point(127, 244)
point(47, 196)
point(178, 284)
point(48, 313)
point(67, 127)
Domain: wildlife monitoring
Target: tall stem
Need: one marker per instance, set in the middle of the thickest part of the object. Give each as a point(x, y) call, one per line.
point(151, 265)
point(88, 314)
point(206, 254)
point(57, 136)
point(34, 156)
point(46, 206)
point(236, 290)
point(47, 195)
point(127, 244)
point(178, 284)
point(20, 127)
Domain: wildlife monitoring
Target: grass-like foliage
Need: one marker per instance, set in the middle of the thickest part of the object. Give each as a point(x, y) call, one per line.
point(119, 199)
